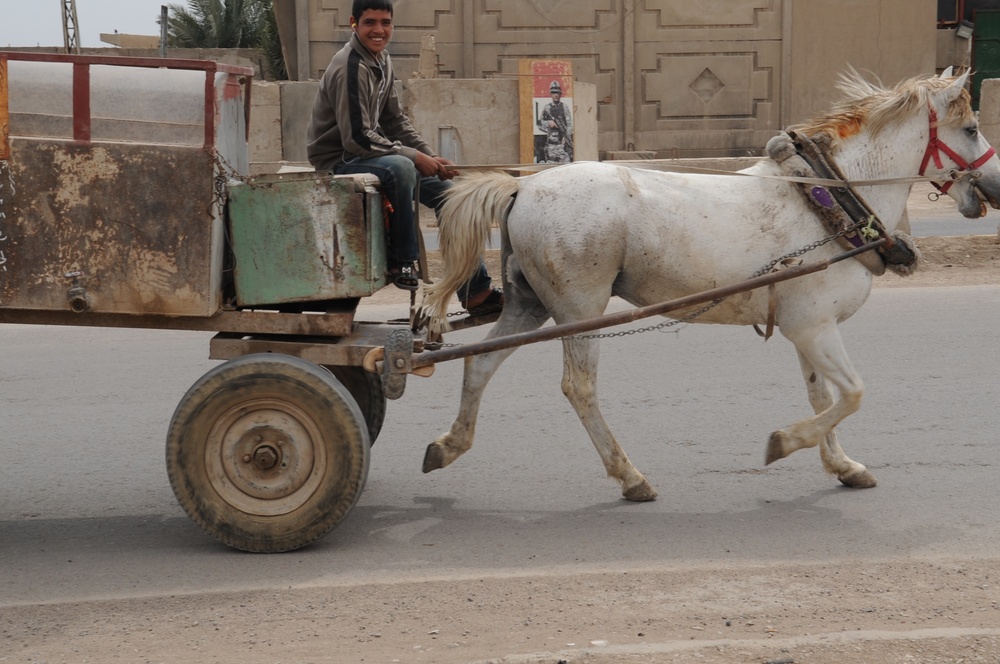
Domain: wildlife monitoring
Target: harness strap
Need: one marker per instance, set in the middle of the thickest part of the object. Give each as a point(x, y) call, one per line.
point(772, 300)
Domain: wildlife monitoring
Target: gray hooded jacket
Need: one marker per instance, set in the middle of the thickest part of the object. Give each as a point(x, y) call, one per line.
point(357, 113)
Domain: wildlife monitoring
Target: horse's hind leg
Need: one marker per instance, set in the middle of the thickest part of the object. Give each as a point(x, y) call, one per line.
point(522, 312)
point(830, 354)
point(579, 384)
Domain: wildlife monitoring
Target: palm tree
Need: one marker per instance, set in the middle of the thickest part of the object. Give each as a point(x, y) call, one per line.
point(227, 24)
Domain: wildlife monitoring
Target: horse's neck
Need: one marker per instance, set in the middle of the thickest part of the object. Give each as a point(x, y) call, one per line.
point(886, 156)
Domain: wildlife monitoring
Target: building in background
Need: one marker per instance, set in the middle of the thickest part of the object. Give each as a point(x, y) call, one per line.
point(675, 78)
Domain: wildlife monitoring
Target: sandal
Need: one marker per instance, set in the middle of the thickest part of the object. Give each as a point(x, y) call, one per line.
point(493, 302)
point(405, 276)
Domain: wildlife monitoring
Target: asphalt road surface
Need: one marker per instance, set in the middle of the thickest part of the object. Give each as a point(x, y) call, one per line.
point(86, 512)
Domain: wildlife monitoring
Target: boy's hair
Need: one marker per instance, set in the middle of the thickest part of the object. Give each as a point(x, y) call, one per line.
point(361, 6)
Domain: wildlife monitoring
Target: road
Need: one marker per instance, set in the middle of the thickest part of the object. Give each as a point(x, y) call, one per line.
point(86, 512)
point(523, 551)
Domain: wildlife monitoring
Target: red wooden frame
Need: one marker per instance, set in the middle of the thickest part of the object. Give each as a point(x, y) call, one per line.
point(81, 85)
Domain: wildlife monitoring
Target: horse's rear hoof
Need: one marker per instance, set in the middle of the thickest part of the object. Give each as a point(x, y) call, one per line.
point(859, 480)
point(640, 493)
point(433, 458)
point(775, 448)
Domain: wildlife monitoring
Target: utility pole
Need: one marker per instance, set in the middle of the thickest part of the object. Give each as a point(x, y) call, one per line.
point(70, 38)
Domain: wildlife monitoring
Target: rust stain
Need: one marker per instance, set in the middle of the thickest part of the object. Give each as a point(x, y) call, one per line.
point(232, 89)
point(80, 171)
point(127, 217)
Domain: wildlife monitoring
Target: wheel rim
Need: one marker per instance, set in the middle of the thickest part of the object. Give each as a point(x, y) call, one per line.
point(265, 457)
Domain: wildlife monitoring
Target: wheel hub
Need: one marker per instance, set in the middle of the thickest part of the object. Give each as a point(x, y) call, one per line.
point(266, 458)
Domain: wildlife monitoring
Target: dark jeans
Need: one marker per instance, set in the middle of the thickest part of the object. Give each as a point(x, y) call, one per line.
point(398, 176)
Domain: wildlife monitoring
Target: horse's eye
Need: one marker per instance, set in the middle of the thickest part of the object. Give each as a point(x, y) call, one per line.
point(972, 131)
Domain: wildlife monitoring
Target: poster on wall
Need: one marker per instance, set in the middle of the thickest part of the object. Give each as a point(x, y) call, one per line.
point(546, 95)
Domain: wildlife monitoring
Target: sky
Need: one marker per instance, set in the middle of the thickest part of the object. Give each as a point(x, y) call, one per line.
point(39, 22)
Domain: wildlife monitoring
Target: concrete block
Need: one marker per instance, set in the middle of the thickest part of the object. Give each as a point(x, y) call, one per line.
point(989, 110)
point(265, 122)
point(470, 121)
point(297, 99)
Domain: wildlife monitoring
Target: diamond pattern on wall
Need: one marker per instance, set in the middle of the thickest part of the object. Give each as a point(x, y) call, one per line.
point(707, 85)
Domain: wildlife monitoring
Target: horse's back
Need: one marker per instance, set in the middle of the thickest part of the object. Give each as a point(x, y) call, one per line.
point(649, 236)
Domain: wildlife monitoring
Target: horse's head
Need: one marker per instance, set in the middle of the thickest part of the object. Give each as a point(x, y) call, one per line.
point(932, 114)
point(956, 147)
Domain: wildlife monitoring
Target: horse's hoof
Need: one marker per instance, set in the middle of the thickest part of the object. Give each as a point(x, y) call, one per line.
point(775, 448)
point(640, 493)
point(859, 480)
point(433, 458)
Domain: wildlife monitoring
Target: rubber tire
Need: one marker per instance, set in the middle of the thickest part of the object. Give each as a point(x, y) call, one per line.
point(291, 396)
point(366, 388)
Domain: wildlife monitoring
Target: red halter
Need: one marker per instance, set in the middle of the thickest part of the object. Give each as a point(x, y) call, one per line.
point(936, 146)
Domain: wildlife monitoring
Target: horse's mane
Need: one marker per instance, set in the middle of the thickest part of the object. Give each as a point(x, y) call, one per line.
point(869, 104)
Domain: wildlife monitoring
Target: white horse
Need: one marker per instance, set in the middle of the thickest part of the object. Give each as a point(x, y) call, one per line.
point(574, 236)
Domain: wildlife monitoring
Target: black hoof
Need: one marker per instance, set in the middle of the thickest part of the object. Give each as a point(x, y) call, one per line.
point(433, 458)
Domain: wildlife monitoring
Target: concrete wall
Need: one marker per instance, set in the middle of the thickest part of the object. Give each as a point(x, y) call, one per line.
point(894, 40)
point(674, 77)
point(477, 121)
point(470, 122)
point(989, 110)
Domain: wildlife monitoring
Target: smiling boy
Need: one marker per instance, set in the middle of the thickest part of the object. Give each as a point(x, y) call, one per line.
point(358, 126)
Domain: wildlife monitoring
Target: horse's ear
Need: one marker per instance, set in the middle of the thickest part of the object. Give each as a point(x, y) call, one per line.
point(948, 72)
point(957, 85)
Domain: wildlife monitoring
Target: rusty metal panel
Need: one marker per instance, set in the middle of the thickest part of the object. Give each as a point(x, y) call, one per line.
point(4, 111)
point(300, 237)
point(111, 228)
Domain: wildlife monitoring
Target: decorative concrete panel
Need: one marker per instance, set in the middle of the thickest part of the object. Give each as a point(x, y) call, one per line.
point(703, 19)
point(682, 77)
point(708, 82)
point(557, 18)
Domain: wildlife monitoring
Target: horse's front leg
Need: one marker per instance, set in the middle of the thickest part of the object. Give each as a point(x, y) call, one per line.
point(579, 384)
point(835, 461)
point(822, 357)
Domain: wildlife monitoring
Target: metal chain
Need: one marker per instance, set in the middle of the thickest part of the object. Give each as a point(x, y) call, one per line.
point(225, 172)
point(711, 305)
point(714, 303)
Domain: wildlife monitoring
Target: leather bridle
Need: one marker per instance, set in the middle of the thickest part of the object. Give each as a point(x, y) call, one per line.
point(935, 146)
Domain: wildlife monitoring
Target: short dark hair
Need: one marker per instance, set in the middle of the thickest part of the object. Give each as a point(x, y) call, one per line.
point(361, 6)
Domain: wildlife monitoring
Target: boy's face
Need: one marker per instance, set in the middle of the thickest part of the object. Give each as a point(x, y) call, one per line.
point(374, 29)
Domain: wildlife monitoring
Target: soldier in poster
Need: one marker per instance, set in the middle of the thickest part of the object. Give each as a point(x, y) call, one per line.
point(556, 123)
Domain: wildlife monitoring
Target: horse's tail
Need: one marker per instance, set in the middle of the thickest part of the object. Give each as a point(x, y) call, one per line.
point(473, 205)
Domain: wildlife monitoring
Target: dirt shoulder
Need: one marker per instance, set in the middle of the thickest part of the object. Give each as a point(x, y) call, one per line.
point(903, 611)
point(952, 261)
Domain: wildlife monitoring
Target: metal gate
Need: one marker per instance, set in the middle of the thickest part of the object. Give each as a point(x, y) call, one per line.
point(985, 50)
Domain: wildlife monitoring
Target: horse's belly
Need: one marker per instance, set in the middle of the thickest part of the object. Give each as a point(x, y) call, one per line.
point(741, 308)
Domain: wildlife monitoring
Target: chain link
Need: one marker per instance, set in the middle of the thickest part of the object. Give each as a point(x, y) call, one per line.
point(700, 312)
point(714, 303)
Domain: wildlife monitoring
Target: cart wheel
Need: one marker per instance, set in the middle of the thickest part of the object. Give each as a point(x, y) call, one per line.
point(267, 452)
point(366, 388)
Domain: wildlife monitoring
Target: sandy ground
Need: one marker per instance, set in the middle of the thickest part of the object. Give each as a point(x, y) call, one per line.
point(907, 611)
point(903, 611)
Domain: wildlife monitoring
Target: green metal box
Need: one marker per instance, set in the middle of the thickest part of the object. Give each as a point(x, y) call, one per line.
point(305, 237)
